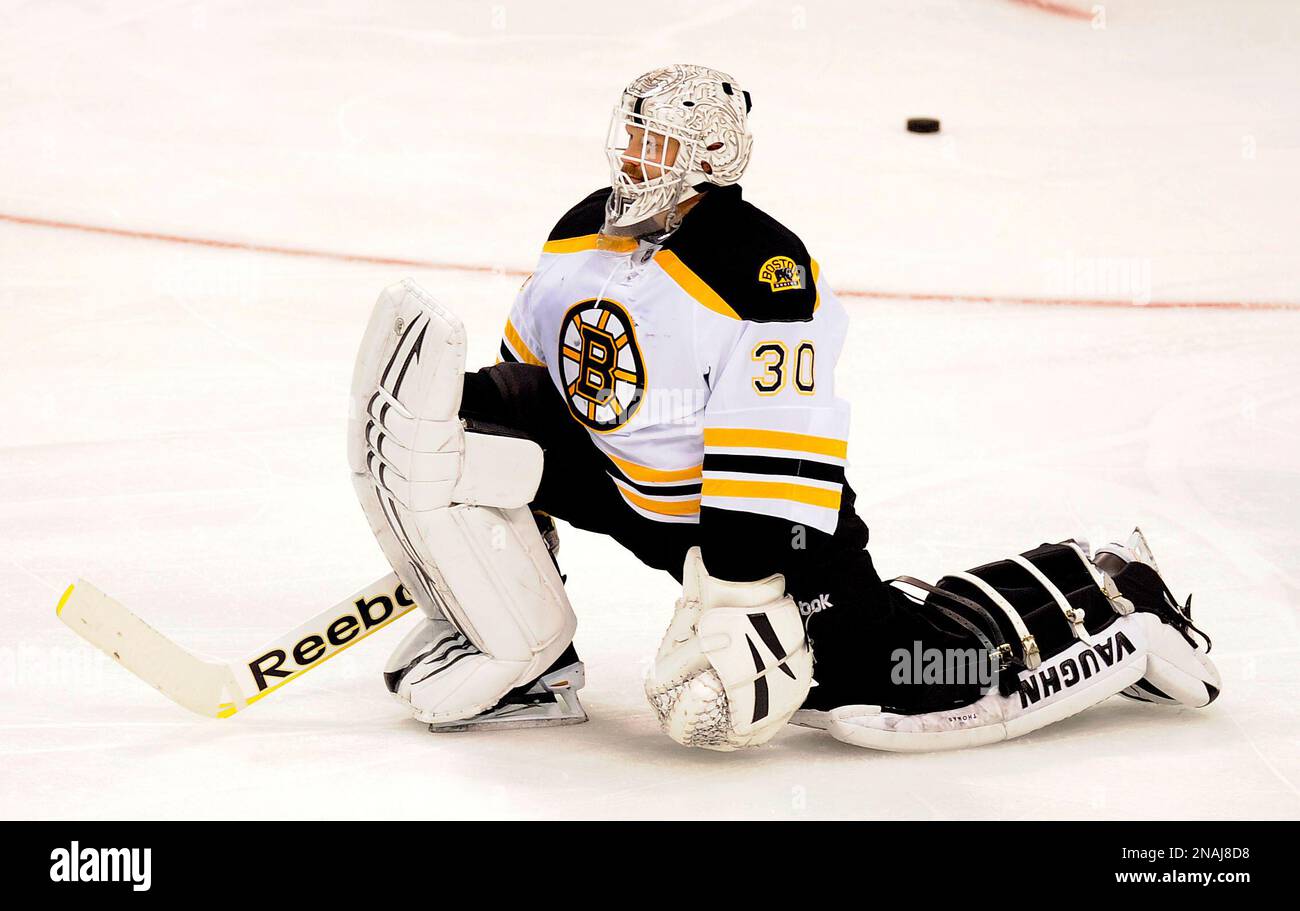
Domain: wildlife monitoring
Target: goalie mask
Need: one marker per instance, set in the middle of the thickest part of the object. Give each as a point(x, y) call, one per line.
point(675, 130)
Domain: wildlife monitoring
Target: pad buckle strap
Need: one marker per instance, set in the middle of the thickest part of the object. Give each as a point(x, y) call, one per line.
point(1032, 656)
point(1005, 655)
point(1028, 644)
point(1073, 615)
point(1121, 605)
point(1002, 652)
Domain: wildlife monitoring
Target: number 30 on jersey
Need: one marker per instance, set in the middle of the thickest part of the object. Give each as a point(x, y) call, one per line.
point(778, 367)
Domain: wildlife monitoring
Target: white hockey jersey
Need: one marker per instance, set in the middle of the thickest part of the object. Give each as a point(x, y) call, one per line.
point(703, 368)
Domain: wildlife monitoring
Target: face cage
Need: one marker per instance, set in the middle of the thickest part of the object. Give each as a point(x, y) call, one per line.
point(633, 202)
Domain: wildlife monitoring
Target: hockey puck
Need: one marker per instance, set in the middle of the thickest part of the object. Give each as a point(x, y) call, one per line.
point(922, 125)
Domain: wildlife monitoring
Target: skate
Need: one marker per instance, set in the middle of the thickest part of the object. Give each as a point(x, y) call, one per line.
point(549, 701)
point(1135, 557)
point(1111, 558)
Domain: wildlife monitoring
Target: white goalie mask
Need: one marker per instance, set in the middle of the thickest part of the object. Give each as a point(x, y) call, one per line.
point(674, 129)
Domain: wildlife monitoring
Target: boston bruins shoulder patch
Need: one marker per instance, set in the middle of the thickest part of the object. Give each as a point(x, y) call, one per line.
point(781, 273)
point(600, 361)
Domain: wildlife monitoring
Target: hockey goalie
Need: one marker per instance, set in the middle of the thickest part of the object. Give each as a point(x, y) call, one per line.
point(666, 377)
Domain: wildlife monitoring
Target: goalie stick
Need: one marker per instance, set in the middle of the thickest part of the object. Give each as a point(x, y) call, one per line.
point(220, 689)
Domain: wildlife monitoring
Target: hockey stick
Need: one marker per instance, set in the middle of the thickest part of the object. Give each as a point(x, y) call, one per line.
point(220, 689)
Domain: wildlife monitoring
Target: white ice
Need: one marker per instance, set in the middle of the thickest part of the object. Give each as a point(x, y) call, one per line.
point(176, 412)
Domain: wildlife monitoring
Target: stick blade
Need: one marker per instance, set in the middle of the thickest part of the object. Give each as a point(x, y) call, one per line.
point(196, 683)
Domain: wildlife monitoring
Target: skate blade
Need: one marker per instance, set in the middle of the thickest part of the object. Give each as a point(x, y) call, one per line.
point(810, 718)
point(517, 722)
point(1137, 544)
point(564, 708)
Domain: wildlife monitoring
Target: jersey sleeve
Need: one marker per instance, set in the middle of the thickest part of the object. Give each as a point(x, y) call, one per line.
point(775, 434)
point(519, 341)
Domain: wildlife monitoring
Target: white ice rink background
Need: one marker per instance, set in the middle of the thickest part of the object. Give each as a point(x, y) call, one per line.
point(174, 412)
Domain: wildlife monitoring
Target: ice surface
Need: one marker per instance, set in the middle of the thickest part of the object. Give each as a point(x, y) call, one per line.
point(176, 412)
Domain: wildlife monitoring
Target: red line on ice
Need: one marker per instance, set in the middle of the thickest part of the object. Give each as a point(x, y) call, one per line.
point(254, 247)
point(338, 256)
point(1067, 301)
point(1060, 9)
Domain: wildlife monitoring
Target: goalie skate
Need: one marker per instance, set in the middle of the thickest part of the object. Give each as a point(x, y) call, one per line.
point(1198, 681)
point(549, 701)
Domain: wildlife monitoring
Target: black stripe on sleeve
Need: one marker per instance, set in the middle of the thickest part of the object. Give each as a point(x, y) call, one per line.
point(689, 489)
point(507, 355)
point(761, 464)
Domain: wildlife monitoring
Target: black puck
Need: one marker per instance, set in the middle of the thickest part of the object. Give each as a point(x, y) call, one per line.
point(922, 125)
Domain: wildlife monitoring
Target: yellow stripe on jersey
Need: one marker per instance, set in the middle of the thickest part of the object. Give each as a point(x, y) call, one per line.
point(692, 284)
point(772, 490)
point(816, 272)
point(590, 242)
point(742, 438)
point(516, 343)
point(689, 507)
point(642, 473)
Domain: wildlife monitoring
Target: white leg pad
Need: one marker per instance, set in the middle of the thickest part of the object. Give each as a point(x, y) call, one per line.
point(449, 511)
point(505, 615)
point(405, 436)
point(1184, 674)
point(1076, 679)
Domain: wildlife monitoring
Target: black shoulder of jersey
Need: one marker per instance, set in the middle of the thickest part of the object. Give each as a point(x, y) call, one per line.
point(748, 258)
point(587, 217)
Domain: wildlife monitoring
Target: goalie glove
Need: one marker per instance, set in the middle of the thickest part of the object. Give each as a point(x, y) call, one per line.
point(734, 665)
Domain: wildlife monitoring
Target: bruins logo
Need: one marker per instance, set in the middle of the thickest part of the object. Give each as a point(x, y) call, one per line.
point(781, 273)
point(604, 375)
